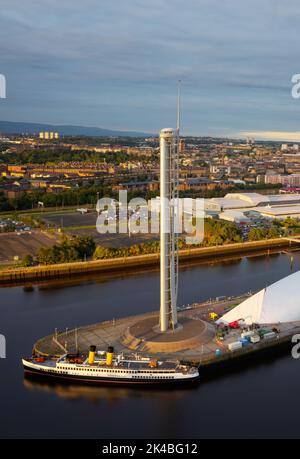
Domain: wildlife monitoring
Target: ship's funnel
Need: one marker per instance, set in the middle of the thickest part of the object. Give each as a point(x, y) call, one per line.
point(92, 355)
point(109, 355)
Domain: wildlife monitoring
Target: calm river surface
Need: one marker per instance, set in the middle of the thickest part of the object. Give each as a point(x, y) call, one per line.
point(257, 400)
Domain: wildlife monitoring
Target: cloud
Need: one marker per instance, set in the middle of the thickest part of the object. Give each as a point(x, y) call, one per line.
point(272, 135)
point(116, 63)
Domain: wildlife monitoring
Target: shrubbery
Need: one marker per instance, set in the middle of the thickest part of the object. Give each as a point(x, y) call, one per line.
point(75, 249)
point(216, 232)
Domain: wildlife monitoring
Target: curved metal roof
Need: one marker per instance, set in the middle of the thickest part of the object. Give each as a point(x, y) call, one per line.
point(277, 303)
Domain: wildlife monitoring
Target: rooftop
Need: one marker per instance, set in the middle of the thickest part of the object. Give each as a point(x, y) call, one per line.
point(248, 200)
point(281, 210)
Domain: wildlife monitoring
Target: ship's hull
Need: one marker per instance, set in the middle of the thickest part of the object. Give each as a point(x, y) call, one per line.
point(82, 379)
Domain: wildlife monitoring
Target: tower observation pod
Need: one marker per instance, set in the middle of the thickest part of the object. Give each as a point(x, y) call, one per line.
point(168, 236)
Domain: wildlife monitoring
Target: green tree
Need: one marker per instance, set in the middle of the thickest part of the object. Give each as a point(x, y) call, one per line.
point(256, 234)
point(101, 253)
point(27, 261)
point(273, 233)
point(75, 249)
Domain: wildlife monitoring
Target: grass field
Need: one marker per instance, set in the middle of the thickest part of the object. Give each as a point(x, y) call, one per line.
point(42, 212)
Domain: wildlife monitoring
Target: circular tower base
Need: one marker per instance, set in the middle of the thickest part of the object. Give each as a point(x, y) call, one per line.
point(145, 335)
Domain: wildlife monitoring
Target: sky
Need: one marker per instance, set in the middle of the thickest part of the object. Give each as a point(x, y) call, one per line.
point(115, 64)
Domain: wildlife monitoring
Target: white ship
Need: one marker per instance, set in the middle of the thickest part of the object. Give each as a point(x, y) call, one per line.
point(108, 368)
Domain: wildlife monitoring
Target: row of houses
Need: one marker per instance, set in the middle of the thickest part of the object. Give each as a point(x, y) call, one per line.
point(188, 184)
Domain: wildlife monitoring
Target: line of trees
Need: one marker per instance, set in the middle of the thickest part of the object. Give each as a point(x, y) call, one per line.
point(58, 154)
point(85, 194)
point(216, 232)
point(219, 232)
point(256, 234)
point(83, 247)
point(75, 249)
point(77, 196)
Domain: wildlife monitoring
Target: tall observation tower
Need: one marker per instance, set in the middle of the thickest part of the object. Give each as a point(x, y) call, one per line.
point(169, 142)
point(146, 334)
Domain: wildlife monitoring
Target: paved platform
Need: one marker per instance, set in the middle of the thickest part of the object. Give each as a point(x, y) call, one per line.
point(113, 333)
point(145, 335)
point(202, 352)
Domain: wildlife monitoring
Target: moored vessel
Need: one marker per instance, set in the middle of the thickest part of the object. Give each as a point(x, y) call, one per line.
point(100, 367)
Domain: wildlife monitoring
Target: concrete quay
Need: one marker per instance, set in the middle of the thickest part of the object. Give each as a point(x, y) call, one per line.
point(200, 351)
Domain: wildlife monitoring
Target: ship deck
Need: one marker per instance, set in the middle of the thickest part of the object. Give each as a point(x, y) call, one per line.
point(126, 364)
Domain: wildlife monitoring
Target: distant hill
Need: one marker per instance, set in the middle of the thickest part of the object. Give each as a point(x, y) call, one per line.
point(11, 127)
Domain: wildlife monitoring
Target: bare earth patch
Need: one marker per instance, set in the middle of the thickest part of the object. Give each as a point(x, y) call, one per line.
point(12, 244)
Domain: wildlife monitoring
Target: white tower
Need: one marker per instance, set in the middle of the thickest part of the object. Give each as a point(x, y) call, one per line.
point(168, 237)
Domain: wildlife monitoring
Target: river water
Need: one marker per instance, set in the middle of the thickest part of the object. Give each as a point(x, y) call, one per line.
point(260, 400)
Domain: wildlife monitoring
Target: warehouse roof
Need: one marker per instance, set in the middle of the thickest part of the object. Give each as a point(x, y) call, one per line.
point(234, 215)
point(247, 200)
point(281, 210)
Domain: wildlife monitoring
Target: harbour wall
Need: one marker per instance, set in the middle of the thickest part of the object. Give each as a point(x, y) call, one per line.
point(68, 270)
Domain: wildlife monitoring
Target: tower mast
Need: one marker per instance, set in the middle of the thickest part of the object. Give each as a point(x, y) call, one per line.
point(169, 177)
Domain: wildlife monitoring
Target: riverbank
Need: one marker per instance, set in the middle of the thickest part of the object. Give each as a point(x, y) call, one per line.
point(67, 270)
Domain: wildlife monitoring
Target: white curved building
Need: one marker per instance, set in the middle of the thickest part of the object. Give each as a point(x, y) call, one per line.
point(280, 302)
point(251, 201)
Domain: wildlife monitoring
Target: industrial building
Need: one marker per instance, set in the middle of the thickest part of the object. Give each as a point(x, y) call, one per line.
point(235, 216)
point(281, 212)
point(239, 206)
